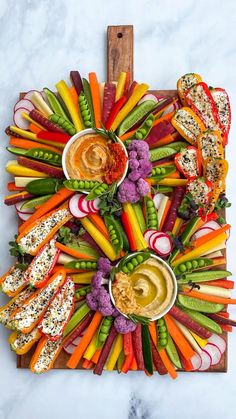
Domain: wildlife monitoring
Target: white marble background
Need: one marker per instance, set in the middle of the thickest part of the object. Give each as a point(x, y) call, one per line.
point(40, 42)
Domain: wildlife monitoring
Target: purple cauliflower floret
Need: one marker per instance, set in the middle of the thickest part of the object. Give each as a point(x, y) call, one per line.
point(133, 164)
point(145, 167)
point(144, 155)
point(104, 265)
point(124, 325)
point(133, 154)
point(92, 300)
point(138, 146)
point(143, 187)
point(97, 279)
point(115, 312)
point(104, 303)
point(134, 175)
point(128, 192)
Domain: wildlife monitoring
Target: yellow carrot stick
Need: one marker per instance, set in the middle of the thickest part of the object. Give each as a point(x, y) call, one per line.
point(138, 236)
point(172, 182)
point(120, 85)
point(138, 92)
point(177, 225)
point(115, 352)
point(101, 241)
point(16, 169)
point(26, 134)
point(91, 349)
point(83, 278)
point(64, 92)
point(201, 249)
point(27, 117)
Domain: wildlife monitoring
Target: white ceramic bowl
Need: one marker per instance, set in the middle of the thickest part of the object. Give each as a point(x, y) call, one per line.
point(165, 264)
point(79, 135)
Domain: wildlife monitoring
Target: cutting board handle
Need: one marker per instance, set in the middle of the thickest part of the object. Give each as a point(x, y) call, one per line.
point(120, 51)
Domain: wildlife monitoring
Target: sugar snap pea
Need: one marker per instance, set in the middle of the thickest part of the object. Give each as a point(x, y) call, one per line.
point(82, 292)
point(37, 153)
point(151, 213)
point(143, 131)
point(162, 333)
point(99, 189)
point(63, 123)
point(103, 331)
point(136, 115)
point(199, 305)
point(88, 97)
point(160, 172)
point(204, 321)
point(55, 104)
point(132, 261)
point(80, 184)
point(192, 265)
point(203, 276)
point(173, 353)
point(81, 264)
point(114, 231)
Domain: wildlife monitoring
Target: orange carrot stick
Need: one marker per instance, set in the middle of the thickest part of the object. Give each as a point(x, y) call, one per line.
point(97, 220)
point(68, 270)
point(85, 340)
point(73, 252)
point(175, 175)
point(223, 283)
point(27, 144)
point(212, 235)
point(165, 213)
point(33, 128)
point(224, 314)
point(87, 364)
point(53, 202)
point(95, 93)
point(96, 356)
point(11, 187)
point(206, 297)
point(179, 339)
point(168, 364)
point(153, 332)
point(134, 366)
point(74, 96)
point(165, 140)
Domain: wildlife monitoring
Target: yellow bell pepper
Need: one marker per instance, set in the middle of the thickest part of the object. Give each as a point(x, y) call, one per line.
point(172, 182)
point(101, 241)
point(83, 278)
point(120, 85)
point(139, 239)
point(188, 124)
point(64, 92)
point(16, 169)
point(200, 250)
point(185, 82)
point(201, 342)
point(138, 92)
point(21, 343)
point(115, 352)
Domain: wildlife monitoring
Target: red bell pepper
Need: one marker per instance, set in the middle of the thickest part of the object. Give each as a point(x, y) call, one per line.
point(200, 99)
point(114, 111)
point(41, 267)
point(222, 102)
point(129, 353)
point(54, 136)
point(188, 162)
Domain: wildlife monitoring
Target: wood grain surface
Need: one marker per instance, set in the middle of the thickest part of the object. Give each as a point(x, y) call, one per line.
point(120, 58)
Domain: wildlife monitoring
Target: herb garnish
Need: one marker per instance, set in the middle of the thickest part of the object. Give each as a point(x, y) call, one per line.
point(139, 319)
point(108, 202)
point(17, 251)
point(107, 133)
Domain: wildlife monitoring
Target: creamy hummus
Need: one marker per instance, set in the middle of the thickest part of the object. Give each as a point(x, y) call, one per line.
point(147, 291)
point(88, 157)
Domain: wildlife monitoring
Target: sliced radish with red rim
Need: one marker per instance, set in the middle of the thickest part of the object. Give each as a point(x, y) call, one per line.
point(95, 204)
point(153, 237)
point(69, 349)
point(212, 224)
point(149, 96)
point(77, 340)
point(19, 120)
point(196, 362)
point(18, 206)
point(92, 207)
point(206, 361)
point(148, 233)
point(218, 341)
point(83, 204)
point(201, 232)
point(24, 103)
point(74, 208)
point(214, 353)
point(162, 244)
point(23, 216)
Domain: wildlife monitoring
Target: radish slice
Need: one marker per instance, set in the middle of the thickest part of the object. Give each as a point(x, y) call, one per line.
point(201, 232)
point(211, 224)
point(206, 361)
point(83, 205)
point(219, 342)
point(95, 204)
point(162, 245)
point(24, 103)
point(76, 341)
point(92, 208)
point(157, 199)
point(19, 120)
point(23, 216)
point(73, 207)
point(30, 93)
point(24, 211)
point(70, 349)
point(149, 96)
point(196, 362)
point(148, 233)
point(214, 353)
point(154, 236)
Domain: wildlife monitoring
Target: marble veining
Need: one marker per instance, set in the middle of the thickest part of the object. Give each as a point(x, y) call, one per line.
point(40, 42)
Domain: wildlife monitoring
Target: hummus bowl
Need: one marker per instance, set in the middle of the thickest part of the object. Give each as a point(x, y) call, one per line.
point(85, 159)
point(149, 290)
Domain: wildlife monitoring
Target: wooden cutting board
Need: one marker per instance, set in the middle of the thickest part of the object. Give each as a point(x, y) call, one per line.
point(120, 57)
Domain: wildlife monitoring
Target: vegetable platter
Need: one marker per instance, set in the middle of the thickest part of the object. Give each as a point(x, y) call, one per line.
point(78, 236)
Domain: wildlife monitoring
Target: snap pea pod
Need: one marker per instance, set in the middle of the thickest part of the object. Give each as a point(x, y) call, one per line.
point(162, 188)
point(81, 264)
point(192, 265)
point(136, 115)
point(55, 104)
point(82, 292)
point(80, 184)
point(85, 111)
point(88, 97)
point(204, 321)
point(45, 186)
point(178, 145)
point(162, 333)
point(133, 261)
point(199, 305)
point(97, 191)
point(124, 236)
point(143, 131)
point(160, 172)
point(140, 217)
point(151, 213)
point(173, 353)
point(203, 276)
point(63, 123)
point(114, 232)
point(103, 331)
point(76, 318)
point(37, 153)
point(120, 361)
point(161, 153)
